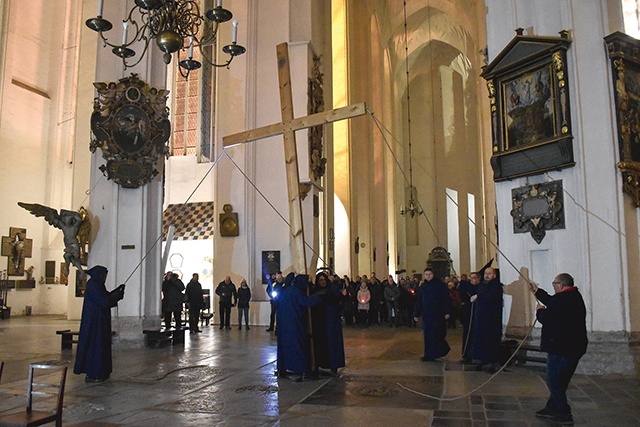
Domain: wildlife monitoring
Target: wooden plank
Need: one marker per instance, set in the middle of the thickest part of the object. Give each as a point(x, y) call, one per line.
point(291, 162)
point(324, 117)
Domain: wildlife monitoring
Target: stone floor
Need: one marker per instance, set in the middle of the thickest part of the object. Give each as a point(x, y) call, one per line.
point(225, 377)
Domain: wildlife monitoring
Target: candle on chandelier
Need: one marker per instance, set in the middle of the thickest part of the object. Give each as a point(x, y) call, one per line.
point(190, 47)
point(234, 33)
point(125, 25)
point(219, 3)
point(100, 7)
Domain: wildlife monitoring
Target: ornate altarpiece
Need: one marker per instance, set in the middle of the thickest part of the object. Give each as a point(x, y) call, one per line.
point(529, 98)
point(624, 52)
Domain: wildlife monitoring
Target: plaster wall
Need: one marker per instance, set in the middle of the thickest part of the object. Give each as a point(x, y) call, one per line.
point(38, 135)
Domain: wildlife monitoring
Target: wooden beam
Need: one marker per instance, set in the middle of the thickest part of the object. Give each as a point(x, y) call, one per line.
point(291, 162)
point(324, 117)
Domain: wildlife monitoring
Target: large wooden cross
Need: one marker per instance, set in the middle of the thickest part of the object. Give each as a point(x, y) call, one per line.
point(287, 128)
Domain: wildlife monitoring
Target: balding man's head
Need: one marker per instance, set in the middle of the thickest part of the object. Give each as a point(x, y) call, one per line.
point(489, 274)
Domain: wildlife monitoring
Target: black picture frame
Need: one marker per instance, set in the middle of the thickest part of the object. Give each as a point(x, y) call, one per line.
point(529, 99)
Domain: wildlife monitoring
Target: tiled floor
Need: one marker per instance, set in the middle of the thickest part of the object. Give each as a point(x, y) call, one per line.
point(225, 377)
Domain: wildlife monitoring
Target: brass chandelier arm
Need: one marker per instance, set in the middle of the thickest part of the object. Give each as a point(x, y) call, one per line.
point(169, 23)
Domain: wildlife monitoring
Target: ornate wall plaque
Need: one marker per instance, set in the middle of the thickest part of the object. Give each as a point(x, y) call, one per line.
point(130, 125)
point(624, 52)
point(537, 208)
point(529, 98)
point(229, 222)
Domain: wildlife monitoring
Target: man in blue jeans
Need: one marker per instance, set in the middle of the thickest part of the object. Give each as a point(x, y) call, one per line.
point(564, 338)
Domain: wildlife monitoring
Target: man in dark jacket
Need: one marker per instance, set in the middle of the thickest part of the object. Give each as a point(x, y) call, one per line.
point(173, 299)
point(433, 304)
point(93, 356)
point(486, 334)
point(273, 290)
point(226, 290)
point(392, 298)
point(195, 299)
point(564, 338)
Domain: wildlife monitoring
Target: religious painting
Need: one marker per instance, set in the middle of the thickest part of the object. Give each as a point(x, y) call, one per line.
point(130, 124)
point(624, 53)
point(529, 112)
point(529, 100)
point(49, 272)
point(16, 247)
point(538, 208)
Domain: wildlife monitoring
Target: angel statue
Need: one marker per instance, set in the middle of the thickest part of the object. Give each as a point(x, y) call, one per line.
point(70, 222)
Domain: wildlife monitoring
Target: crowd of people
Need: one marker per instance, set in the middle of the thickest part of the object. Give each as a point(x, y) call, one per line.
point(309, 341)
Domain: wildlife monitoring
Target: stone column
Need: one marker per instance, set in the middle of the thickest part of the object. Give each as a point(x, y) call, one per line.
point(127, 223)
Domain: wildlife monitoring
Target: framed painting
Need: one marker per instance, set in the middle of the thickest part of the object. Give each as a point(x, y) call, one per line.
point(624, 53)
point(529, 99)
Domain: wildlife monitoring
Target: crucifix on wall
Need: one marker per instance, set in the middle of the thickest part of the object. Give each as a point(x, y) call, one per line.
point(16, 247)
point(287, 128)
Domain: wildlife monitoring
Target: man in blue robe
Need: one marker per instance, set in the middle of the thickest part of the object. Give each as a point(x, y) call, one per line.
point(293, 346)
point(328, 342)
point(433, 304)
point(93, 355)
point(486, 334)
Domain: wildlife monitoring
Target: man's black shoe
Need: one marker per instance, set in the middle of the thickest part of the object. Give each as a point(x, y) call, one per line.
point(562, 420)
point(427, 359)
point(546, 412)
point(270, 329)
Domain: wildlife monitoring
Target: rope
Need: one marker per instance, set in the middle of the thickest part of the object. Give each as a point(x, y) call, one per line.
point(451, 399)
point(272, 206)
point(466, 341)
point(167, 373)
point(183, 204)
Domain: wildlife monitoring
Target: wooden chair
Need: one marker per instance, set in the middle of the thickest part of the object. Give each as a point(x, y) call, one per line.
point(32, 417)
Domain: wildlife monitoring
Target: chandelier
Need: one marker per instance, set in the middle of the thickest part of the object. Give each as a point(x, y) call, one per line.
point(413, 208)
point(175, 27)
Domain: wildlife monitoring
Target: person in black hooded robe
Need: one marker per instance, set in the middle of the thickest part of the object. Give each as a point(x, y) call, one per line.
point(433, 304)
point(93, 355)
point(293, 348)
point(486, 330)
point(328, 342)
